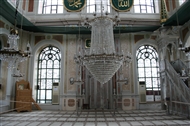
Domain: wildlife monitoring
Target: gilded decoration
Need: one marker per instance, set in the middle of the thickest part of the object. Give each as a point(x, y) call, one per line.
point(74, 5)
point(122, 5)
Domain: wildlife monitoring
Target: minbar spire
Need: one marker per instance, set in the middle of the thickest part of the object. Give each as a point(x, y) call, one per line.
point(163, 12)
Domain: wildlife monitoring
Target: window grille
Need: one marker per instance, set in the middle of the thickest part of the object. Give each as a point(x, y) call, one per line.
point(146, 6)
point(148, 67)
point(50, 6)
point(49, 63)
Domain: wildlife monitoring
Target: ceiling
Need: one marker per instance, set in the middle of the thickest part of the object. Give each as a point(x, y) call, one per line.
point(8, 12)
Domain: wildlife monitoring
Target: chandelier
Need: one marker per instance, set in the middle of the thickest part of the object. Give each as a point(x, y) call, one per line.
point(102, 61)
point(11, 54)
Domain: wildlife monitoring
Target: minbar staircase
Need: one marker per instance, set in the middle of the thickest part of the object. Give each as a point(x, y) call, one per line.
point(177, 90)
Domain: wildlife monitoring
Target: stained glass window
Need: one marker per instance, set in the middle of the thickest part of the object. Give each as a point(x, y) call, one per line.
point(94, 6)
point(50, 6)
point(49, 62)
point(148, 66)
point(146, 6)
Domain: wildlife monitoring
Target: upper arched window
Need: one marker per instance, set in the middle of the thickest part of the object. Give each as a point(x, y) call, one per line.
point(146, 6)
point(48, 71)
point(50, 6)
point(148, 67)
point(95, 6)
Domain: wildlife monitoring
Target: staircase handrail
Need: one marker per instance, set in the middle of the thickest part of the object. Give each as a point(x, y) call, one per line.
point(177, 80)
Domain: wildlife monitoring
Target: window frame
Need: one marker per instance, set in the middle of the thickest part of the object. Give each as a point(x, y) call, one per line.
point(97, 4)
point(152, 6)
point(46, 52)
point(43, 7)
point(150, 53)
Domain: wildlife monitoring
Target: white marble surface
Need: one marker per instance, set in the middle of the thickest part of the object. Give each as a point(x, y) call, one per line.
point(92, 118)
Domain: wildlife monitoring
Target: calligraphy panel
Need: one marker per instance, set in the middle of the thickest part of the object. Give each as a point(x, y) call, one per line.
point(74, 5)
point(122, 5)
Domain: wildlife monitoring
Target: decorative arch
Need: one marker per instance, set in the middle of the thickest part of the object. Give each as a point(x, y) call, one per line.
point(34, 64)
point(138, 44)
point(48, 71)
point(148, 67)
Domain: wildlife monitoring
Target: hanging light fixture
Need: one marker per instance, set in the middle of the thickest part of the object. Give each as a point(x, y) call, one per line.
point(11, 54)
point(102, 61)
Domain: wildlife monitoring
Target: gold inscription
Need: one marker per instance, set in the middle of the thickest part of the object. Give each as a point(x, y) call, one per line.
point(123, 3)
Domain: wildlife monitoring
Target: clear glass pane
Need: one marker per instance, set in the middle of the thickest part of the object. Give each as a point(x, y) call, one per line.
point(153, 63)
point(54, 7)
point(143, 7)
point(49, 73)
point(149, 9)
point(60, 9)
point(148, 82)
point(155, 82)
point(49, 64)
point(42, 94)
point(60, 2)
point(136, 2)
point(48, 2)
point(147, 63)
point(154, 72)
point(49, 84)
point(143, 11)
point(148, 72)
point(44, 64)
point(137, 9)
point(140, 63)
point(56, 73)
point(141, 79)
point(150, 56)
point(49, 94)
point(141, 72)
point(54, 2)
point(47, 10)
point(53, 12)
point(40, 6)
point(42, 84)
point(42, 101)
point(148, 2)
point(143, 2)
point(56, 64)
point(43, 74)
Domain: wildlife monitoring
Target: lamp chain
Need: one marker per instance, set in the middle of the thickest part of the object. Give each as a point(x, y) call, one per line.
point(17, 4)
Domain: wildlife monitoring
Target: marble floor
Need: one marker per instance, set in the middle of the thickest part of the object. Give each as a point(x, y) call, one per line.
point(93, 118)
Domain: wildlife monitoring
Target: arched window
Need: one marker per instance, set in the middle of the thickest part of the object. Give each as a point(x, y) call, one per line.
point(50, 6)
point(146, 6)
point(148, 66)
point(49, 62)
point(95, 6)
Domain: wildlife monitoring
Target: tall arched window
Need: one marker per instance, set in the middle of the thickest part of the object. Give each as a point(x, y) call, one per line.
point(146, 6)
point(148, 66)
point(95, 6)
point(49, 63)
point(50, 6)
